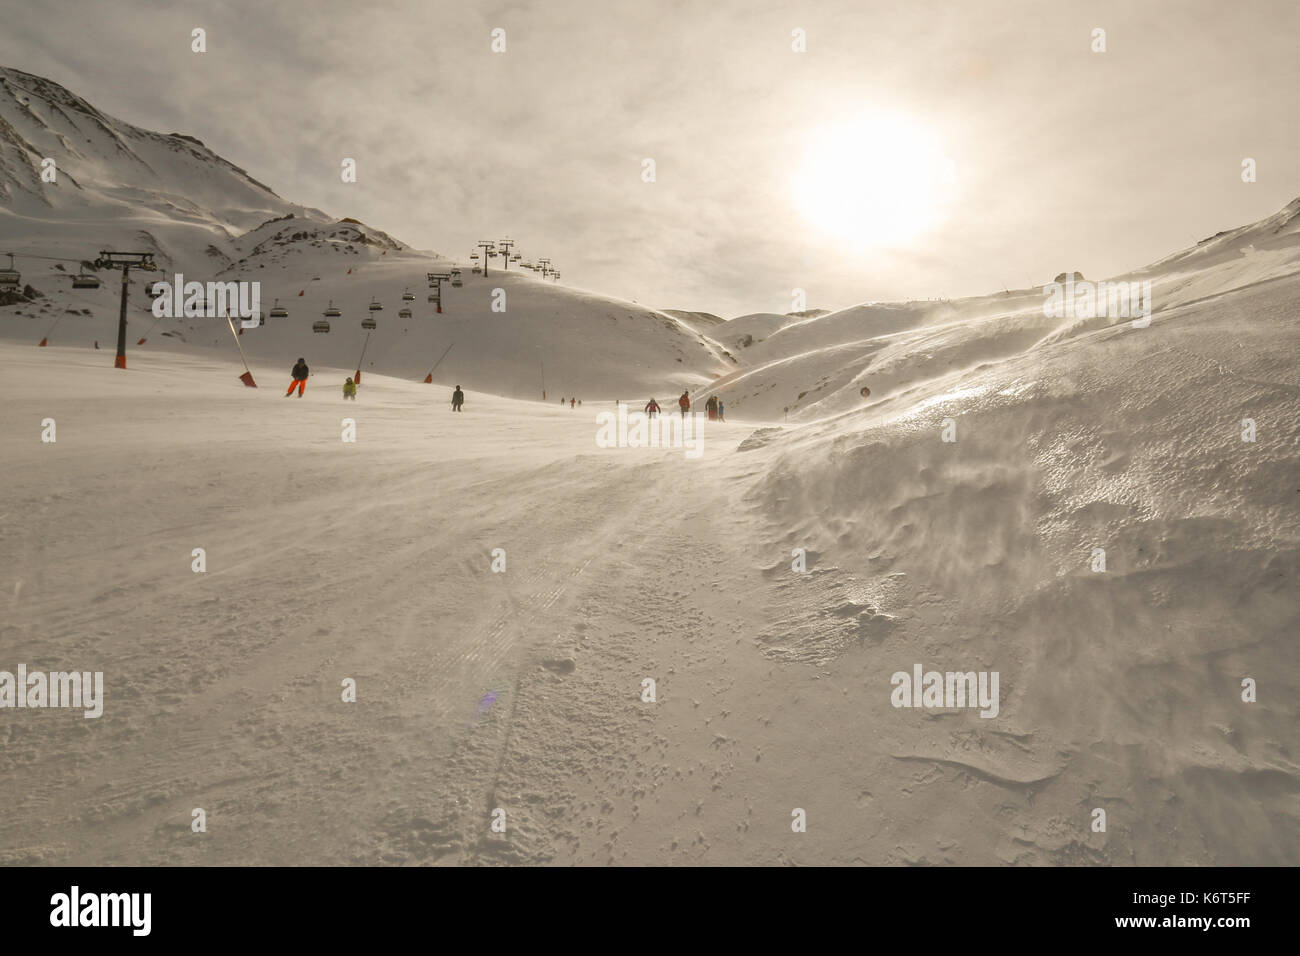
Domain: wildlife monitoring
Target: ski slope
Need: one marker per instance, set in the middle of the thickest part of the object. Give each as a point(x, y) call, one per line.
point(371, 560)
point(522, 690)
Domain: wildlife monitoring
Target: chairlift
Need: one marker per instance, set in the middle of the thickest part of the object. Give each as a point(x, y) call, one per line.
point(278, 311)
point(515, 258)
point(404, 314)
point(432, 297)
point(456, 283)
point(84, 280)
point(9, 277)
point(408, 296)
point(369, 322)
point(331, 313)
point(474, 256)
point(320, 325)
point(477, 270)
point(375, 306)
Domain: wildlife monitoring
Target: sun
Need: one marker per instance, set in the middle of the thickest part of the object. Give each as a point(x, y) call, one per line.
point(879, 179)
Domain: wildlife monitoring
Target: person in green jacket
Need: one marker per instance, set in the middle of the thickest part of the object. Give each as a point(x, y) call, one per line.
point(350, 389)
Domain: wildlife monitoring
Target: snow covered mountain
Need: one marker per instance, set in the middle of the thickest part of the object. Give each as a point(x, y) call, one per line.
point(121, 187)
point(806, 369)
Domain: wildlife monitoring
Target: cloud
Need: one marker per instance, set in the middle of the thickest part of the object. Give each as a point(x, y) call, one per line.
point(1066, 158)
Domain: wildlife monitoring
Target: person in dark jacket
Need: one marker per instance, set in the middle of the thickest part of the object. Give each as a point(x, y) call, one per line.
point(300, 373)
point(685, 403)
point(457, 399)
point(652, 408)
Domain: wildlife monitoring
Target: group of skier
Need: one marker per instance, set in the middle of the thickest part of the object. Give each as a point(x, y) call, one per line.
point(713, 406)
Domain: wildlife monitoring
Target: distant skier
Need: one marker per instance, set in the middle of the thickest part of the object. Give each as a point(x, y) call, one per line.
point(711, 406)
point(571, 401)
point(300, 373)
point(720, 418)
point(652, 408)
point(685, 402)
point(457, 399)
point(350, 389)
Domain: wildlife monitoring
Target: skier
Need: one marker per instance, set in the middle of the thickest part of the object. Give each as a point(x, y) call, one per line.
point(711, 406)
point(652, 408)
point(457, 399)
point(350, 389)
point(571, 401)
point(685, 402)
point(720, 418)
point(300, 373)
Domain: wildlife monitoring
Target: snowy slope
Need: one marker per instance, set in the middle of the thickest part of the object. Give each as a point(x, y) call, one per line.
point(818, 366)
point(521, 690)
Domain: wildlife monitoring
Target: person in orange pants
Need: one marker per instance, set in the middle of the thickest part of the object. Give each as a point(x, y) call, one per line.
point(300, 373)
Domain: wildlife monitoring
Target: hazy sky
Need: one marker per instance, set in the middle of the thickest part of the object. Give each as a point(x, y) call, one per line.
point(1053, 157)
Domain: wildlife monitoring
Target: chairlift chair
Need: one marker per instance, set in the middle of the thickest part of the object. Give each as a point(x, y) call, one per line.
point(331, 313)
point(404, 314)
point(375, 306)
point(278, 311)
point(320, 325)
point(84, 280)
point(369, 322)
point(456, 283)
point(9, 277)
point(408, 296)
